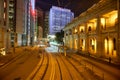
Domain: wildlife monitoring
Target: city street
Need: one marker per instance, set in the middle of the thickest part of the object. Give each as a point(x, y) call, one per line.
point(21, 65)
point(59, 39)
point(35, 63)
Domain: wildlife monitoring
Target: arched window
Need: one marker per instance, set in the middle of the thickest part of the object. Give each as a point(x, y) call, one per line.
point(81, 30)
point(82, 42)
point(106, 45)
point(89, 28)
point(114, 44)
point(90, 42)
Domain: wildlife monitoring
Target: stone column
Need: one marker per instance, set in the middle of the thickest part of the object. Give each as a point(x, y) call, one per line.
point(100, 48)
point(118, 30)
point(72, 38)
point(78, 39)
point(86, 39)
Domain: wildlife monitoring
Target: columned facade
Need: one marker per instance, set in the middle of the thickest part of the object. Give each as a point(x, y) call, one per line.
point(97, 30)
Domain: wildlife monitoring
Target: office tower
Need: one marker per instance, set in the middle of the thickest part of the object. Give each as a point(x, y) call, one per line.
point(46, 24)
point(59, 17)
point(17, 22)
point(2, 23)
point(40, 22)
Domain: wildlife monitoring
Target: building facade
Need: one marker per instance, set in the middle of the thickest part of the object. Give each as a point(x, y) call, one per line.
point(96, 31)
point(40, 22)
point(2, 23)
point(32, 22)
point(17, 22)
point(58, 18)
point(46, 24)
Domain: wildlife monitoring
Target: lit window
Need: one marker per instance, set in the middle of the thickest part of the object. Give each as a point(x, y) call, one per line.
point(75, 30)
point(111, 18)
point(89, 28)
point(81, 28)
point(82, 44)
point(4, 16)
point(4, 4)
point(92, 24)
point(102, 23)
point(93, 45)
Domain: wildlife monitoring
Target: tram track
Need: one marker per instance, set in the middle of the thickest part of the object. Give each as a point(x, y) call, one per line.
point(12, 60)
point(66, 74)
point(41, 69)
point(17, 57)
point(18, 63)
point(87, 71)
point(76, 70)
point(58, 73)
point(51, 68)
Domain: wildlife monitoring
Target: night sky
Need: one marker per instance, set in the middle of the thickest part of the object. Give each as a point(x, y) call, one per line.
point(76, 6)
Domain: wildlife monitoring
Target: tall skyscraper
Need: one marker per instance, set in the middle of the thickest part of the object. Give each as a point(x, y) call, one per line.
point(2, 22)
point(32, 21)
point(46, 24)
point(40, 21)
point(58, 18)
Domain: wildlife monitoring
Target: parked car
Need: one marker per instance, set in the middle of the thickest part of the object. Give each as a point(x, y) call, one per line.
point(2, 51)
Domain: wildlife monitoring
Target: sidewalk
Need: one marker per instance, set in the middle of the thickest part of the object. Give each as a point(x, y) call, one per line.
point(101, 60)
point(10, 55)
point(98, 59)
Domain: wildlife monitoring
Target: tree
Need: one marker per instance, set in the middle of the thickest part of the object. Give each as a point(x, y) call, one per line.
point(59, 36)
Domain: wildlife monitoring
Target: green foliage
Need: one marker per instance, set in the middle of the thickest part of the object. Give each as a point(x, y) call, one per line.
point(59, 36)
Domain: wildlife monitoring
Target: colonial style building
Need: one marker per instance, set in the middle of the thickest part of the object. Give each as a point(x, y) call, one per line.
point(96, 31)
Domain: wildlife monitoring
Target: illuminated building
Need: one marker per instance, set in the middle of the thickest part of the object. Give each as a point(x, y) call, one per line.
point(15, 22)
point(96, 31)
point(20, 23)
point(58, 18)
point(7, 23)
point(2, 22)
point(32, 21)
point(40, 22)
point(46, 24)
point(26, 34)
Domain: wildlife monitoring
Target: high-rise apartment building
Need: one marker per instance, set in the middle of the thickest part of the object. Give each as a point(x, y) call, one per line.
point(32, 21)
point(40, 22)
point(2, 22)
point(46, 24)
point(25, 38)
point(58, 18)
point(17, 22)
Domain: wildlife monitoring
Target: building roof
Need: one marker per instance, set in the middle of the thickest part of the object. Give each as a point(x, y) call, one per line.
point(76, 6)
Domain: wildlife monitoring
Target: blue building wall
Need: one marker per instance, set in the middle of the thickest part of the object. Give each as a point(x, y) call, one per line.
point(59, 17)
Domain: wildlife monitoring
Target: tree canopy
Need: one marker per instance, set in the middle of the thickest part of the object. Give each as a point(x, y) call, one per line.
point(59, 36)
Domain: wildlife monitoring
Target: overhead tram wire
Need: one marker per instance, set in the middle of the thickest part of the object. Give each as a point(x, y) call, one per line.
point(69, 2)
point(58, 3)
